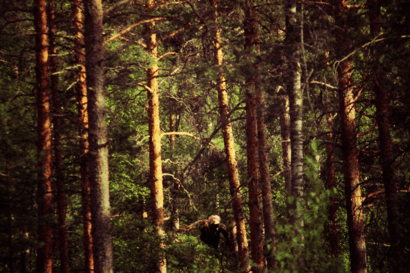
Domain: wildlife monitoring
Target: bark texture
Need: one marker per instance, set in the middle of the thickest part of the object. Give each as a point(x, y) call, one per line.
point(293, 43)
point(157, 193)
point(351, 169)
point(45, 250)
point(58, 160)
point(385, 142)
point(234, 184)
point(252, 147)
point(81, 97)
point(285, 134)
point(98, 150)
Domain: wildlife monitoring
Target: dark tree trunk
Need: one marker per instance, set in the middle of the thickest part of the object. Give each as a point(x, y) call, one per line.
point(331, 184)
point(98, 153)
point(386, 146)
point(252, 147)
point(58, 159)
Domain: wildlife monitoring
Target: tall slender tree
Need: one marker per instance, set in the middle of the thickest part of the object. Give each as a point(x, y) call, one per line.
point(81, 97)
point(45, 196)
point(351, 169)
point(155, 162)
point(285, 134)
point(252, 147)
point(385, 142)
point(230, 151)
point(58, 160)
point(331, 184)
point(294, 88)
point(98, 153)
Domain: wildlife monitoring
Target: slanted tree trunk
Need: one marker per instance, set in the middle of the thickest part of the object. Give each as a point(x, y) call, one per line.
point(157, 192)
point(331, 185)
point(58, 161)
point(98, 153)
point(293, 43)
point(351, 169)
point(234, 184)
point(385, 140)
point(45, 197)
point(81, 96)
point(252, 148)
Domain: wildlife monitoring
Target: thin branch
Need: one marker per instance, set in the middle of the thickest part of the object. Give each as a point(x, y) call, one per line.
point(128, 29)
point(328, 86)
point(368, 131)
point(190, 135)
point(116, 5)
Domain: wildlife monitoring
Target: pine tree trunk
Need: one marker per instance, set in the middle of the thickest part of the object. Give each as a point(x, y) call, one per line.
point(252, 148)
point(157, 192)
point(293, 43)
point(81, 96)
point(98, 149)
point(351, 168)
point(234, 184)
point(386, 146)
point(331, 185)
point(58, 161)
point(45, 250)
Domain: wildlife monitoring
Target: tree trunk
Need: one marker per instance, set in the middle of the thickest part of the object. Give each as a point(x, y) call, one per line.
point(58, 161)
point(265, 180)
point(331, 185)
point(351, 169)
point(45, 250)
point(157, 193)
point(234, 184)
point(255, 221)
point(293, 42)
point(81, 96)
point(98, 153)
point(386, 147)
point(285, 134)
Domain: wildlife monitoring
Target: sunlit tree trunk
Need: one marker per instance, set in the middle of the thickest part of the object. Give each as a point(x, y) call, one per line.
point(385, 140)
point(98, 149)
point(157, 192)
point(351, 169)
point(331, 185)
point(293, 43)
point(81, 96)
point(252, 148)
point(234, 184)
point(45, 249)
point(58, 160)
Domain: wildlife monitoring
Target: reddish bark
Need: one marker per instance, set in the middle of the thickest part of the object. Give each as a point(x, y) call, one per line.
point(58, 161)
point(98, 149)
point(253, 175)
point(351, 168)
point(45, 250)
point(234, 184)
point(81, 96)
